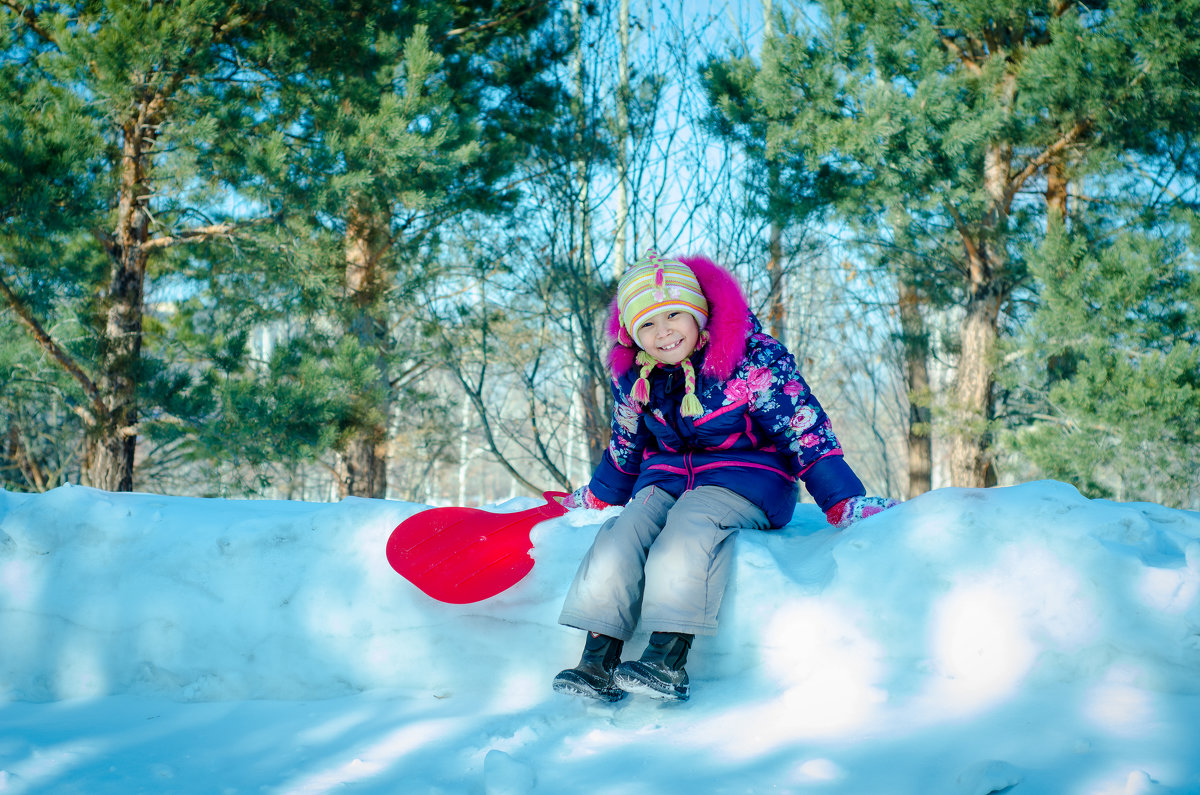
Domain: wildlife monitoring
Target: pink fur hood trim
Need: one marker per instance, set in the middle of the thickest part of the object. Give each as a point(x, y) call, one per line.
point(729, 323)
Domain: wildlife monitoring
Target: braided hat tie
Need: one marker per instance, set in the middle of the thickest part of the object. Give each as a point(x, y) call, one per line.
point(690, 407)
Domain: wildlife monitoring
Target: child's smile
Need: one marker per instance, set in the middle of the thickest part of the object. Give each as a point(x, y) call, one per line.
point(670, 337)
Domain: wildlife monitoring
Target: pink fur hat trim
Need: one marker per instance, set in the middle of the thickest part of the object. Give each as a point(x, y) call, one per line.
point(728, 327)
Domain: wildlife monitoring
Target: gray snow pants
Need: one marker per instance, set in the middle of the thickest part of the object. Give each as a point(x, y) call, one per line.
point(662, 560)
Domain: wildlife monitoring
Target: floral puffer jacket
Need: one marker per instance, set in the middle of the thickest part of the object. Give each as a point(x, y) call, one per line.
point(761, 430)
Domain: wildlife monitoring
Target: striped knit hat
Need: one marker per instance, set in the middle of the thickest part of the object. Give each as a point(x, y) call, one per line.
point(656, 285)
point(651, 286)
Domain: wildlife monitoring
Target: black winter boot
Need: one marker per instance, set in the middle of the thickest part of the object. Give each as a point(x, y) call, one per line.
point(593, 677)
point(659, 673)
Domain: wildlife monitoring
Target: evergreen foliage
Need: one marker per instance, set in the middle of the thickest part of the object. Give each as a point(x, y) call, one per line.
point(183, 183)
point(406, 116)
point(123, 115)
point(1111, 365)
point(244, 241)
point(940, 131)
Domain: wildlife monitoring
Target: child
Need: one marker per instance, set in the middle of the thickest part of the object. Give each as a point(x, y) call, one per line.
point(712, 427)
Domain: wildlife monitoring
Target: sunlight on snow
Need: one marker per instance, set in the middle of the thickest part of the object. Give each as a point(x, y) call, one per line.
point(376, 758)
point(817, 770)
point(827, 663)
point(332, 730)
point(1119, 780)
point(1023, 629)
point(521, 689)
point(594, 742)
point(80, 672)
point(828, 673)
point(988, 631)
point(1121, 706)
point(19, 584)
point(980, 641)
point(55, 763)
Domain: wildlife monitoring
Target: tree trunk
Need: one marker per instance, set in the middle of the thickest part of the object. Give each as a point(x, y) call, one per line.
point(920, 396)
point(970, 462)
point(1056, 195)
point(112, 442)
point(464, 453)
point(582, 177)
point(775, 310)
point(775, 304)
point(366, 455)
point(970, 457)
point(622, 143)
point(365, 460)
point(595, 420)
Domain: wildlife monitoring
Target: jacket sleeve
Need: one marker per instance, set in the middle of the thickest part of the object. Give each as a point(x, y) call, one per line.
point(783, 405)
point(615, 475)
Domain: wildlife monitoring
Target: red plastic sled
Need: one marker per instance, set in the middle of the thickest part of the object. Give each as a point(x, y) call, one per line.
point(464, 555)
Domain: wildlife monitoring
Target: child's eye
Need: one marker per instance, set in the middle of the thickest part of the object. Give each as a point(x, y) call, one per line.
point(647, 324)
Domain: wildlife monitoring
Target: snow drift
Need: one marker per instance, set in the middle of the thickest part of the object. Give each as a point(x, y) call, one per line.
point(1027, 619)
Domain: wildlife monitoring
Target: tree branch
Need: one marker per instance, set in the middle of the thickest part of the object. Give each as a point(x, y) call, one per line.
point(30, 18)
point(964, 58)
point(1080, 129)
point(964, 232)
point(50, 346)
point(491, 23)
point(193, 235)
point(488, 435)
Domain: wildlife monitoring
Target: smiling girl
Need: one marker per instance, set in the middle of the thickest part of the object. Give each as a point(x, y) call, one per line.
point(713, 430)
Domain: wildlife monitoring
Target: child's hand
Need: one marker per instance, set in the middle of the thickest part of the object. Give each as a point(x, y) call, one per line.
point(853, 509)
point(582, 497)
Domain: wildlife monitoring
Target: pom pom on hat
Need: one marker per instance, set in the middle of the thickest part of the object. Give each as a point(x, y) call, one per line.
point(654, 285)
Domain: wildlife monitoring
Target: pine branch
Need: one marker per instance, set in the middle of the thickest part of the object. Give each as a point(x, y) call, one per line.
point(56, 351)
point(19, 451)
point(965, 58)
point(203, 233)
point(492, 23)
point(30, 18)
point(1080, 129)
point(965, 233)
point(193, 235)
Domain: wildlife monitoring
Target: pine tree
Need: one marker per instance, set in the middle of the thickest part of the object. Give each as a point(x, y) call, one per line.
point(47, 164)
point(952, 112)
point(408, 115)
point(1112, 365)
point(125, 115)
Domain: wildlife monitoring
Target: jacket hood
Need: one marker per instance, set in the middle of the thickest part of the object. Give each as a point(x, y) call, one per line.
point(729, 326)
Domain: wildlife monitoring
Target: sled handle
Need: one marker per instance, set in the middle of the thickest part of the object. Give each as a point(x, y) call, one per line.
point(553, 506)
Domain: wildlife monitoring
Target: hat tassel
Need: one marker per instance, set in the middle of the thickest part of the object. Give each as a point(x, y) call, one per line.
point(641, 387)
point(690, 407)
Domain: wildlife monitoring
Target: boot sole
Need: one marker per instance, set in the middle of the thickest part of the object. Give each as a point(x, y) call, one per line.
point(631, 681)
point(575, 686)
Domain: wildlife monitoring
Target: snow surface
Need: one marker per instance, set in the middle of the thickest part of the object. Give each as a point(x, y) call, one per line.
point(1021, 639)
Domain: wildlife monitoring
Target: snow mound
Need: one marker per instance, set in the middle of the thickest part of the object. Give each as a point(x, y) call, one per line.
point(960, 596)
point(967, 642)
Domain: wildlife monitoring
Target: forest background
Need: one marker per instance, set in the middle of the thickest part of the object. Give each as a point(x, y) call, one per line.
point(306, 250)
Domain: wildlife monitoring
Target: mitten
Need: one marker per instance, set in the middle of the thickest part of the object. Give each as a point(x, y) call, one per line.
point(853, 509)
point(582, 497)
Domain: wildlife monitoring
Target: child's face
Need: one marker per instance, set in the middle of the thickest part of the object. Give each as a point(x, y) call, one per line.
point(670, 337)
